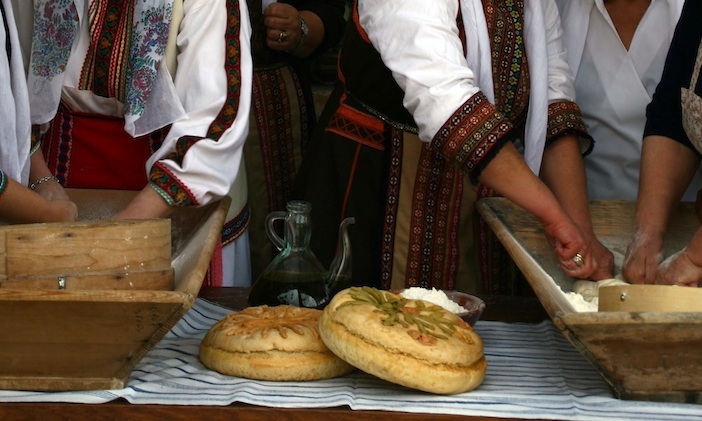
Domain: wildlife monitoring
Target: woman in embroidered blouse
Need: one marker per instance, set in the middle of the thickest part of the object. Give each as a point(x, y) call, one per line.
point(19, 204)
point(148, 95)
point(670, 156)
point(455, 114)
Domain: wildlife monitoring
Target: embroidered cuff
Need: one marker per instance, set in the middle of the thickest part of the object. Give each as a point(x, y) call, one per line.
point(35, 139)
point(170, 188)
point(564, 118)
point(234, 228)
point(473, 135)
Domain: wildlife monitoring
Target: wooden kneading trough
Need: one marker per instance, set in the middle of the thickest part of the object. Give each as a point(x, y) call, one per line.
point(82, 303)
point(642, 352)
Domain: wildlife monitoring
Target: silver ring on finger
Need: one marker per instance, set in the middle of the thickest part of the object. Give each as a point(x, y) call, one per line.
point(578, 260)
point(282, 37)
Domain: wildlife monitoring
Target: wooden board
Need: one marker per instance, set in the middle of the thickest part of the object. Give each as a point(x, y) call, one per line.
point(642, 355)
point(99, 254)
point(84, 339)
point(638, 298)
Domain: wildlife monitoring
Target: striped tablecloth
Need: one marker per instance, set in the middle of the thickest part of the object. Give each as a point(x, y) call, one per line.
point(533, 372)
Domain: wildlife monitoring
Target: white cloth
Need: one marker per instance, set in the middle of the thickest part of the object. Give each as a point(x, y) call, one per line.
point(14, 104)
point(614, 86)
point(438, 78)
point(533, 373)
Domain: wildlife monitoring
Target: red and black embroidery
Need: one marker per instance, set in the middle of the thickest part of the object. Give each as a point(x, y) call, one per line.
point(357, 126)
point(104, 70)
point(391, 205)
point(275, 134)
point(471, 135)
point(433, 245)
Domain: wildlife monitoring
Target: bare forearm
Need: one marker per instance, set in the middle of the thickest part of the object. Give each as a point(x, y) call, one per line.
point(146, 204)
point(529, 193)
point(38, 167)
point(666, 170)
point(563, 171)
point(19, 205)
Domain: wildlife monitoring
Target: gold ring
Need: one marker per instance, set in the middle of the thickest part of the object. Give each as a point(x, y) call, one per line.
point(578, 259)
point(281, 37)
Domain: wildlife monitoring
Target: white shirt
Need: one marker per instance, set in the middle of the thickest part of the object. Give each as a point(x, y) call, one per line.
point(614, 86)
point(418, 41)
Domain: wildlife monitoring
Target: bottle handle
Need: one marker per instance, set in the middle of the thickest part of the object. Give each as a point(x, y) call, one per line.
point(270, 228)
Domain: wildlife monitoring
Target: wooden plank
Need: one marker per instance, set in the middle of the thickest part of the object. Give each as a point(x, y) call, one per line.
point(55, 322)
point(650, 298)
point(149, 280)
point(89, 247)
point(66, 359)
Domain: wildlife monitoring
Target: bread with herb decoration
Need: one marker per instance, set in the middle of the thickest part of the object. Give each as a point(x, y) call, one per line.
point(413, 343)
point(279, 343)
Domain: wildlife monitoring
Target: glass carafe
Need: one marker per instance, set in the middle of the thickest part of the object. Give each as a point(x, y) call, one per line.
point(295, 276)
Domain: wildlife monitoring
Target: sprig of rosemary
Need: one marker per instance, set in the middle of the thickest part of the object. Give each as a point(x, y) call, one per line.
point(429, 320)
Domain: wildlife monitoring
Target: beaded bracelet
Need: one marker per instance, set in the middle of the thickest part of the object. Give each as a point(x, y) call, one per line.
point(36, 184)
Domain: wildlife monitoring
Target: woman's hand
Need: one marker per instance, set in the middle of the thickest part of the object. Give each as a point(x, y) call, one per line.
point(62, 211)
point(51, 190)
point(604, 261)
point(643, 256)
point(678, 269)
point(572, 249)
point(283, 28)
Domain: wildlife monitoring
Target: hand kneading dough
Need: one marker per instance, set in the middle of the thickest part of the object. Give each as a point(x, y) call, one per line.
point(413, 343)
point(271, 343)
point(590, 289)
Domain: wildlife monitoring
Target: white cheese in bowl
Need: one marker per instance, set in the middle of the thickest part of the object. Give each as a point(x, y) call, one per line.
point(433, 296)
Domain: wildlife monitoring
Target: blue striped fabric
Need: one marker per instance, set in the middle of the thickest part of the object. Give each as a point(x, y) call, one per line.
point(533, 372)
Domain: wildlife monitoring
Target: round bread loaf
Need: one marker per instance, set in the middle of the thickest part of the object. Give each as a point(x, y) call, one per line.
point(271, 343)
point(413, 343)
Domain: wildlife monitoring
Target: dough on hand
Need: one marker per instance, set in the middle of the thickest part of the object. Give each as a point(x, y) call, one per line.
point(590, 289)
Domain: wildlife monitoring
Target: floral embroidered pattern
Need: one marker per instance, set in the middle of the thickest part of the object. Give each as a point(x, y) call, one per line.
point(55, 25)
point(149, 37)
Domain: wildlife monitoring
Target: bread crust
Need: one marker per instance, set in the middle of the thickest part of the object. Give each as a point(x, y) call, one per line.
point(271, 343)
point(409, 342)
